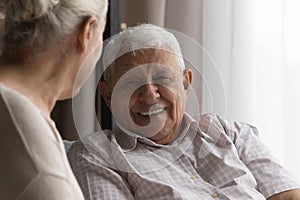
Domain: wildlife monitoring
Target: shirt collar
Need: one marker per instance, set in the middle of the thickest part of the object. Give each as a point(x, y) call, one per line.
point(128, 142)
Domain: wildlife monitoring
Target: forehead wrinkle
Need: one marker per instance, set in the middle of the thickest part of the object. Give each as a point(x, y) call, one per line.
point(145, 56)
point(130, 60)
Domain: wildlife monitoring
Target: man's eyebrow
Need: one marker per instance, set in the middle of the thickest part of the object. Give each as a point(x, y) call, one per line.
point(165, 70)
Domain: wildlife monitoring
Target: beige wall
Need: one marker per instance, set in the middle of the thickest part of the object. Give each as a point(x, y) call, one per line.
point(179, 15)
point(143, 11)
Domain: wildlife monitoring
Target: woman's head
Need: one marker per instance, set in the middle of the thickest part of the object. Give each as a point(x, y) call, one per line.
point(35, 24)
point(58, 41)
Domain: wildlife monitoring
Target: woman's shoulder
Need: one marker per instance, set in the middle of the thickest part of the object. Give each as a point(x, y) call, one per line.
point(27, 136)
point(28, 147)
point(16, 104)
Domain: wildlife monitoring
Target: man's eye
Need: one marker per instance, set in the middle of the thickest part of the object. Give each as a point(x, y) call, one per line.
point(131, 84)
point(163, 80)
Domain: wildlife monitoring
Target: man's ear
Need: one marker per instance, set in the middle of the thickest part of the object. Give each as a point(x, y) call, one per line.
point(187, 79)
point(105, 92)
point(86, 33)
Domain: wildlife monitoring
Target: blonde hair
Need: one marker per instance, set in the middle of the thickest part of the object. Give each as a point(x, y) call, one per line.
point(41, 22)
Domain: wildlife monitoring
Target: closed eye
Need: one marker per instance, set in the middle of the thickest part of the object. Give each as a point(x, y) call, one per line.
point(131, 83)
point(163, 80)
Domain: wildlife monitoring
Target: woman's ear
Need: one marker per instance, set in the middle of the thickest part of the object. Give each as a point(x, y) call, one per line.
point(105, 92)
point(86, 33)
point(187, 79)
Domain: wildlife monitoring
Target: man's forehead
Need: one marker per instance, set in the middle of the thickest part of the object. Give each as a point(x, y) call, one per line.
point(146, 56)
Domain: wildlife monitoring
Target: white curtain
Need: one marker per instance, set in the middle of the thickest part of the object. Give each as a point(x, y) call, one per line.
point(256, 47)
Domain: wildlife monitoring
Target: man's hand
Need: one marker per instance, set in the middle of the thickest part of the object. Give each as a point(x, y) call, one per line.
point(286, 195)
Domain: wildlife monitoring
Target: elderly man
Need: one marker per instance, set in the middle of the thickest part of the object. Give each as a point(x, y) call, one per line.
point(156, 150)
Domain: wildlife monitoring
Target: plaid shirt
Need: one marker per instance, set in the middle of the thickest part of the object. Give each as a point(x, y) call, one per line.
point(213, 158)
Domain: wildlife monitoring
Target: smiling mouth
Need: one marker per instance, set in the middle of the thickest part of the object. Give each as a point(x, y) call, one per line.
point(152, 112)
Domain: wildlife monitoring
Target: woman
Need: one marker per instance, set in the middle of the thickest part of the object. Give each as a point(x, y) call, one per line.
point(49, 47)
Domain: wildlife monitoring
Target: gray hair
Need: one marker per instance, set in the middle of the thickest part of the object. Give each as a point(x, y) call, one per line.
point(137, 38)
point(44, 21)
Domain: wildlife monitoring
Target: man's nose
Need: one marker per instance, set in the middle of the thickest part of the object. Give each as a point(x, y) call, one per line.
point(149, 93)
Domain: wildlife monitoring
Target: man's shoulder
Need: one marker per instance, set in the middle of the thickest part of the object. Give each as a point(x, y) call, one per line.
point(98, 140)
point(209, 120)
point(212, 123)
point(94, 147)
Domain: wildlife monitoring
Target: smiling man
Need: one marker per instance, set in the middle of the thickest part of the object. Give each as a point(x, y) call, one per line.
point(158, 151)
point(149, 84)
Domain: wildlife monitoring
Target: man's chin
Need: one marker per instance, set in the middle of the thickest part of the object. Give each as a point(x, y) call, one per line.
point(161, 139)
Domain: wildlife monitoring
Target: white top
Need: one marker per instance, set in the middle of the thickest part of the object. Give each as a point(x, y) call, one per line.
point(33, 162)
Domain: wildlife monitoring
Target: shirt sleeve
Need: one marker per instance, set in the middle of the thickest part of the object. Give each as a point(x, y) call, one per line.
point(271, 176)
point(96, 180)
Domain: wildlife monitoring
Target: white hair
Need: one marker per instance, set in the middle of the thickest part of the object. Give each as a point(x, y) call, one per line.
point(44, 21)
point(143, 36)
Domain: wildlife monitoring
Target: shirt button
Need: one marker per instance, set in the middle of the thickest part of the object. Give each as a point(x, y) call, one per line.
point(193, 177)
point(215, 195)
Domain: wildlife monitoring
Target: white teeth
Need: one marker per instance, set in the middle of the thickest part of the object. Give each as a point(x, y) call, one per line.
point(152, 112)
